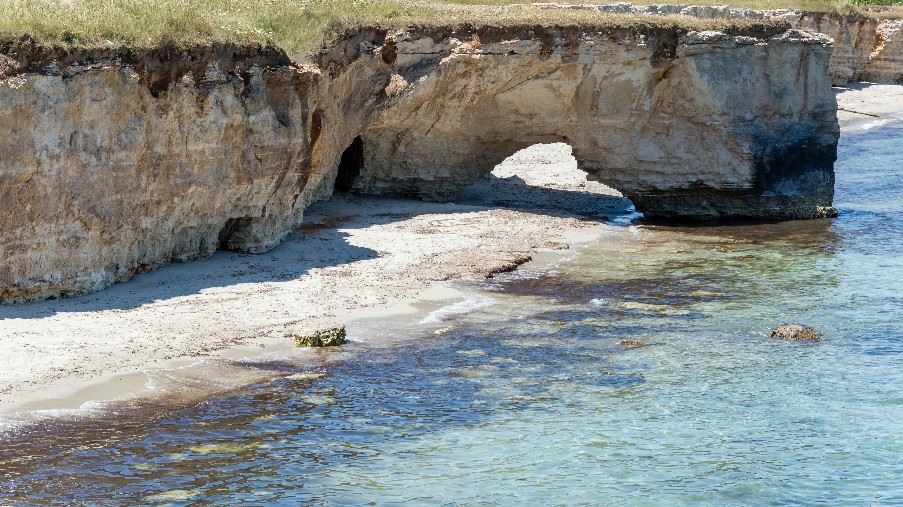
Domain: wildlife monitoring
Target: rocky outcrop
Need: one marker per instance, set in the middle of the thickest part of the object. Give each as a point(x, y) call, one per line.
point(865, 48)
point(855, 38)
point(885, 64)
point(675, 123)
point(115, 161)
point(108, 171)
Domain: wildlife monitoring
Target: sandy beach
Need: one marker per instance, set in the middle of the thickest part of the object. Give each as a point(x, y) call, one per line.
point(354, 257)
point(867, 105)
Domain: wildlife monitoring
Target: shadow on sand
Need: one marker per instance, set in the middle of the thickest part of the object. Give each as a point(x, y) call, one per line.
point(321, 242)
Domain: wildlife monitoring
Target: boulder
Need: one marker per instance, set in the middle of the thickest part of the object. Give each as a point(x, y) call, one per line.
point(330, 337)
point(796, 332)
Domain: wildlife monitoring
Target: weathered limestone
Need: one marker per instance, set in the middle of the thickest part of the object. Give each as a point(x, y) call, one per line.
point(102, 176)
point(115, 162)
point(865, 48)
point(854, 39)
point(675, 123)
point(885, 64)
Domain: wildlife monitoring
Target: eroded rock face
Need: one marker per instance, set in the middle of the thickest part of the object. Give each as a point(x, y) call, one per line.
point(114, 163)
point(855, 38)
point(865, 48)
point(885, 64)
point(99, 179)
point(675, 123)
point(115, 167)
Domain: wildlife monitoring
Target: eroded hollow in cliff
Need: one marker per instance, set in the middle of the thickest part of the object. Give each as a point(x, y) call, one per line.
point(230, 236)
point(350, 166)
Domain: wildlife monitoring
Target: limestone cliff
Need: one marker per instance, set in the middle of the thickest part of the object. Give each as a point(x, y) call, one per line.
point(116, 161)
point(110, 167)
point(865, 48)
point(673, 121)
point(885, 64)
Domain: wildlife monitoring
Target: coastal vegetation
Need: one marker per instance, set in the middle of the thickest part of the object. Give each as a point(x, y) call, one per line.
point(301, 26)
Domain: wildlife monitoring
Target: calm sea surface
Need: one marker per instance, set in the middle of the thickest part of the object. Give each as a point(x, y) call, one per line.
point(527, 398)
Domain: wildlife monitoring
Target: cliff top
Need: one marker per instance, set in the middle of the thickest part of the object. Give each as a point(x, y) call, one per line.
point(298, 27)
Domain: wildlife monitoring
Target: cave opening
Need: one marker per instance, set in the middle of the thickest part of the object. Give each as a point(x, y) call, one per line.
point(350, 165)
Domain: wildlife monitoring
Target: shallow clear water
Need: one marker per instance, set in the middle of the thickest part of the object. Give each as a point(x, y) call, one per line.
point(530, 399)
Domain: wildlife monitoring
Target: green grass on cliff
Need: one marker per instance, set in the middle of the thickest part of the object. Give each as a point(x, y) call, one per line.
point(297, 26)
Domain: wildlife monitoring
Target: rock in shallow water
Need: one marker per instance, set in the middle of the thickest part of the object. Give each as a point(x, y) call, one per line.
point(331, 337)
point(632, 344)
point(796, 332)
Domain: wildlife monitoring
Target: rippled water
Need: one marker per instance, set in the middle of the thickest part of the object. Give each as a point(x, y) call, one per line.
point(530, 399)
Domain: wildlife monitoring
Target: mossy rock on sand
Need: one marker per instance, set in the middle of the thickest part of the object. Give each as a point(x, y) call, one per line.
point(331, 337)
point(797, 332)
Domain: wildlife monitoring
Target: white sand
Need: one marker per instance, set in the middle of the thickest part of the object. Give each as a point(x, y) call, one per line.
point(866, 105)
point(355, 256)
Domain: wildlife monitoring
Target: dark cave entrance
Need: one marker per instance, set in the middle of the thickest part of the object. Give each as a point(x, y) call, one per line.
point(350, 165)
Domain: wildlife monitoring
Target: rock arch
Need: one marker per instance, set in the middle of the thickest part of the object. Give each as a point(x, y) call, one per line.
point(682, 130)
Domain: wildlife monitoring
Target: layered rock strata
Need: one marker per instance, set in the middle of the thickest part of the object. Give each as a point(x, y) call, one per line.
point(675, 122)
point(885, 64)
point(115, 162)
point(865, 48)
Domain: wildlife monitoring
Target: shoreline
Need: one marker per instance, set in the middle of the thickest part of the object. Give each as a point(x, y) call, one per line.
point(868, 105)
point(355, 258)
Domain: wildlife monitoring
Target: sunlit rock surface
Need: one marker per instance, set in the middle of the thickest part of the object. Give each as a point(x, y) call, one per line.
point(698, 126)
point(866, 48)
point(116, 162)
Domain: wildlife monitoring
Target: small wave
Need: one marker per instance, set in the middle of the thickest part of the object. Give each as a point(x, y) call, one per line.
point(9, 427)
point(152, 384)
point(460, 308)
point(90, 407)
point(629, 218)
point(12, 426)
point(869, 125)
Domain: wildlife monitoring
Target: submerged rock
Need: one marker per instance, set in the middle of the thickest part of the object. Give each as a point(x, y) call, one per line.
point(330, 337)
point(632, 344)
point(796, 332)
point(508, 265)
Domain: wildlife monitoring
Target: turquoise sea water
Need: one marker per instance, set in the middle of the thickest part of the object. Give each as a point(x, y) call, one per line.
point(529, 399)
